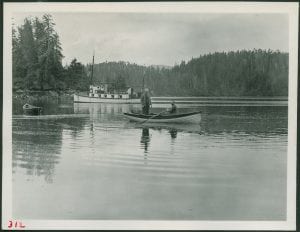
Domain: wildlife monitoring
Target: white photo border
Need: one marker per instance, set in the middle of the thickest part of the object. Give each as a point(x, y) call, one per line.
point(290, 8)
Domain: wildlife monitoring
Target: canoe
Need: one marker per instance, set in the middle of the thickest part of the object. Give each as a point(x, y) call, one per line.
point(31, 110)
point(192, 117)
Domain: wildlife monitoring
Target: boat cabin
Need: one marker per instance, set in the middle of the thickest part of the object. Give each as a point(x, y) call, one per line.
point(103, 91)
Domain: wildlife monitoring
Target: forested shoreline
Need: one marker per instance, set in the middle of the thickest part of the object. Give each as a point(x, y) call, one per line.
point(37, 66)
point(37, 59)
point(240, 73)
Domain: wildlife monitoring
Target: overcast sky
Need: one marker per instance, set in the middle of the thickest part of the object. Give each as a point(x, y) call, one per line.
point(163, 38)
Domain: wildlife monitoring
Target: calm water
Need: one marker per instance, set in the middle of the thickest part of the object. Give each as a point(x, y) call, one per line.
point(85, 161)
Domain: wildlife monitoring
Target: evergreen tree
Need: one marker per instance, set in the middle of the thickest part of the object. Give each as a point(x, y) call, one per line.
point(18, 63)
point(28, 55)
point(37, 55)
point(50, 55)
point(76, 76)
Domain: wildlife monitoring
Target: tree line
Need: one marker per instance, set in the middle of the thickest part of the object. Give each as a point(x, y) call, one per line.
point(37, 65)
point(241, 73)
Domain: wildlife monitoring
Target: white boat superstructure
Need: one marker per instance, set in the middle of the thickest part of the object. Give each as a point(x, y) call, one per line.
point(95, 99)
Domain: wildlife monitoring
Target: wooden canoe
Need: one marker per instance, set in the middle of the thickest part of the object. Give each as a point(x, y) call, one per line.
point(192, 117)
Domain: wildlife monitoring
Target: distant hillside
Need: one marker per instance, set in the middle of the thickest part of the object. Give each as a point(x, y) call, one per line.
point(241, 73)
point(161, 66)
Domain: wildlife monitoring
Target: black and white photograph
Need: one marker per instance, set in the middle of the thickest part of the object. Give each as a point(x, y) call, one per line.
point(151, 115)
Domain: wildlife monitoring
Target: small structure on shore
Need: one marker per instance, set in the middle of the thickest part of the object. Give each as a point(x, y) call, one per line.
point(32, 110)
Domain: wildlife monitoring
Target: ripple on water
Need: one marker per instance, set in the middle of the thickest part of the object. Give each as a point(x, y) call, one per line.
point(234, 160)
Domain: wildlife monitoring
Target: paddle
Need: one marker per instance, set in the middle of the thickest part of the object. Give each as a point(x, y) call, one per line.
point(155, 115)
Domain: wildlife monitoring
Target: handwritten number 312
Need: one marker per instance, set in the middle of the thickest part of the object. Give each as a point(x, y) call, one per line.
point(15, 224)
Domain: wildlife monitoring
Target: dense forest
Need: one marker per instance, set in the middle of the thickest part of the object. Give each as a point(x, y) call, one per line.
point(37, 65)
point(37, 59)
point(241, 73)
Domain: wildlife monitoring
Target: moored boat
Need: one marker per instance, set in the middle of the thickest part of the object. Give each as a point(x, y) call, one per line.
point(31, 110)
point(113, 92)
point(97, 95)
point(192, 117)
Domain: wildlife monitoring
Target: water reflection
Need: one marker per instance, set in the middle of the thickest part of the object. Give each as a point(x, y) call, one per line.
point(173, 133)
point(175, 128)
point(34, 150)
point(97, 109)
point(215, 119)
point(145, 138)
point(254, 120)
point(145, 141)
point(37, 144)
point(233, 161)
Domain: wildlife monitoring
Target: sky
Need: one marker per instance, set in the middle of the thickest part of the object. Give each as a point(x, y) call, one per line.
point(162, 38)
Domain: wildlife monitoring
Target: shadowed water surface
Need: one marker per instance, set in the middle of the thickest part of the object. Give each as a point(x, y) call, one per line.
point(85, 161)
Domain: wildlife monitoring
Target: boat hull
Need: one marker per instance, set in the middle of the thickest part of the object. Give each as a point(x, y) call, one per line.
point(31, 110)
point(194, 117)
point(87, 99)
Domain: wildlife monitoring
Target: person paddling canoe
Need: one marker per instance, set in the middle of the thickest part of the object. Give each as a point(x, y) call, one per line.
point(173, 109)
point(146, 101)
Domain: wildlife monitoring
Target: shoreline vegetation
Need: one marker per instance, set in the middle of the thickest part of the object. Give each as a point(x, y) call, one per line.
point(69, 94)
point(38, 70)
point(41, 97)
point(56, 99)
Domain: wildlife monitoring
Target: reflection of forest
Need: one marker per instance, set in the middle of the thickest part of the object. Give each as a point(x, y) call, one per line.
point(37, 144)
point(249, 120)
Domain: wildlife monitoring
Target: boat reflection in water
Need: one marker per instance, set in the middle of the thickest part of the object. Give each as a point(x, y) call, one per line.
point(173, 128)
point(96, 110)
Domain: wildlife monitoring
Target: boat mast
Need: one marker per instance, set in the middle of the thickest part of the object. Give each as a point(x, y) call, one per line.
point(92, 69)
point(143, 80)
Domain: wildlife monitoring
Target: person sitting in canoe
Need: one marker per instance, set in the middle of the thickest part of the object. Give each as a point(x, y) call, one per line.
point(173, 109)
point(146, 101)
